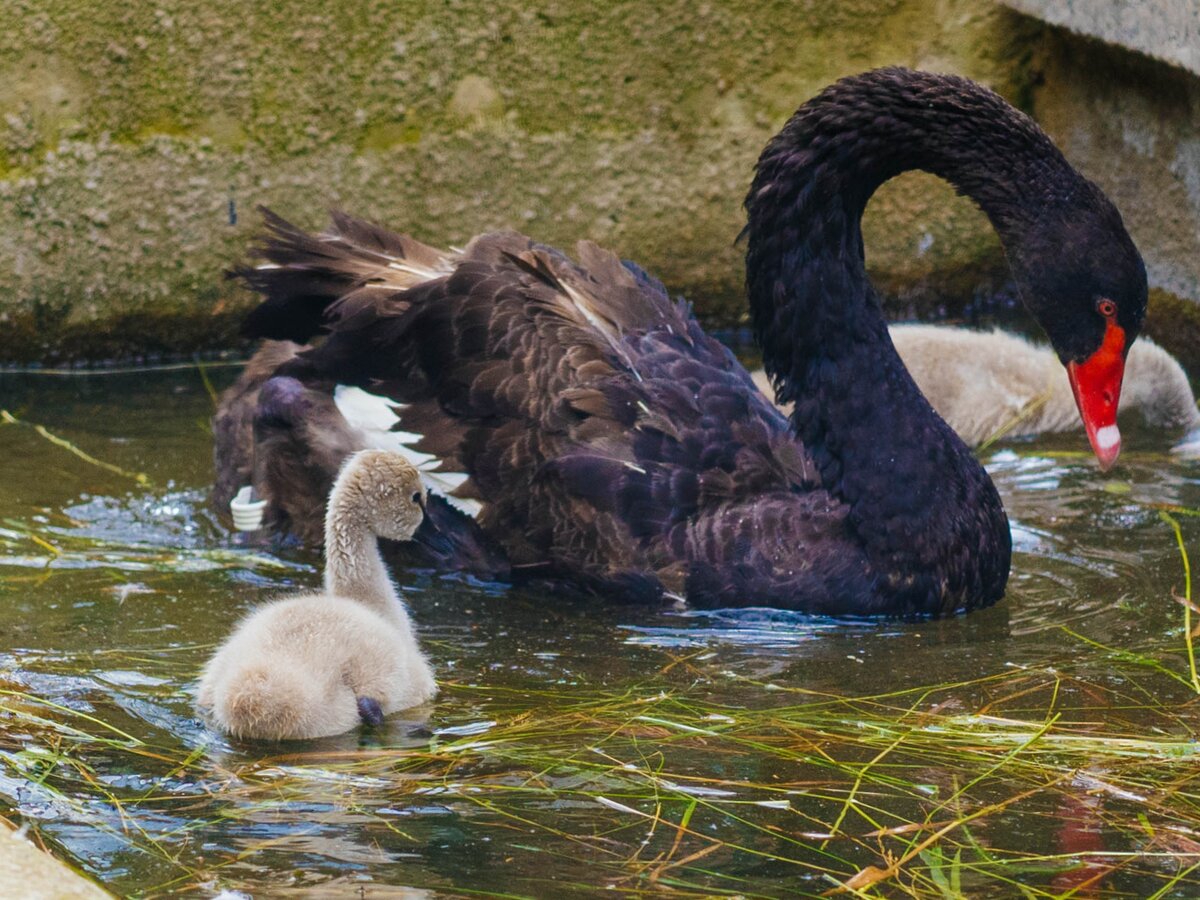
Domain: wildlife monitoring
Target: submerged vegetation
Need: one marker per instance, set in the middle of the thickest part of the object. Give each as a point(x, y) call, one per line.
point(1044, 748)
point(916, 792)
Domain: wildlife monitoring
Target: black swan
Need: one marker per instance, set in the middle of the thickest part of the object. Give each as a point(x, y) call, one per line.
point(612, 445)
point(316, 664)
point(988, 384)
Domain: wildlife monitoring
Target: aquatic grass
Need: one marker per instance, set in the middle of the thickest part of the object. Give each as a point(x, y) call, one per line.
point(7, 418)
point(1187, 597)
point(26, 699)
point(59, 785)
point(1166, 513)
point(1130, 656)
point(717, 762)
point(844, 793)
point(202, 369)
point(1175, 509)
point(142, 369)
point(1034, 404)
point(686, 773)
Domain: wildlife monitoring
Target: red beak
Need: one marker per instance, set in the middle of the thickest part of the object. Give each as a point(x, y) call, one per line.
point(1096, 383)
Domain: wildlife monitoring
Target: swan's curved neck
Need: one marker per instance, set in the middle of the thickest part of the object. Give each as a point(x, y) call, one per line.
point(354, 567)
point(809, 293)
point(918, 498)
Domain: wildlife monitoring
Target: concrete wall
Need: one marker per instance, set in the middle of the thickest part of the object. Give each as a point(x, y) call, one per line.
point(1168, 30)
point(1117, 88)
point(128, 131)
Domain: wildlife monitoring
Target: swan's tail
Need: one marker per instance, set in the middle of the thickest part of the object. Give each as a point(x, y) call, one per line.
point(281, 702)
point(303, 274)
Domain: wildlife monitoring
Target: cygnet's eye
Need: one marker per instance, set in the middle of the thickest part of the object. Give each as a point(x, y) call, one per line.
point(416, 497)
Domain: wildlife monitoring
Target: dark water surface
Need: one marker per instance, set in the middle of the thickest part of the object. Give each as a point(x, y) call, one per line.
point(1045, 747)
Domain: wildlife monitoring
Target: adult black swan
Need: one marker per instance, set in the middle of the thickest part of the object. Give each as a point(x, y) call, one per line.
point(601, 438)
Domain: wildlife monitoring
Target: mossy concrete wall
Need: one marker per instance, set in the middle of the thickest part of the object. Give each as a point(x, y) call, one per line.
point(129, 131)
point(1132, 124)
point(136, 140)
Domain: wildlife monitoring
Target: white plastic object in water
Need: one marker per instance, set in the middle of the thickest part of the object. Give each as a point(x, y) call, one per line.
point(247, 512)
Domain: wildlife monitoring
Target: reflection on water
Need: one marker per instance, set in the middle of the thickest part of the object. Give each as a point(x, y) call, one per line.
point(1047, 742)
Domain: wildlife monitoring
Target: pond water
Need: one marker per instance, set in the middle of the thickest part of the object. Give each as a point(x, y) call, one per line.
point(1045, 747)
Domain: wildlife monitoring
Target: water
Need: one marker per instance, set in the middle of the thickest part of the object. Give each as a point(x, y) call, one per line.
point(1046, 745)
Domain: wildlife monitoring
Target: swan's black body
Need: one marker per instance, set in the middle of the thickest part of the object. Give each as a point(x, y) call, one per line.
point(616, 446)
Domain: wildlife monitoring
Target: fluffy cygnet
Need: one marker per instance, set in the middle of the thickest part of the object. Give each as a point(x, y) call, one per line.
point(318, 664)
point(985, 384)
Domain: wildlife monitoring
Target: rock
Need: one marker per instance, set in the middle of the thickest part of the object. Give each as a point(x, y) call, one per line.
point(33, 874)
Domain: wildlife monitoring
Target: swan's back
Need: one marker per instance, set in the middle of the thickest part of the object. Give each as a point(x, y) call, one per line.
point(604, 435)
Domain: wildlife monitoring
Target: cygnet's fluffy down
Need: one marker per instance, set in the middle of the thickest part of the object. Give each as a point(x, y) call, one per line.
point(985, 384)
point(318, 664)
point(312, 666)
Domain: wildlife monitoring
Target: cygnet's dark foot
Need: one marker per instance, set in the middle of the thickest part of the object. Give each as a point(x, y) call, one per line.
point(369, 711)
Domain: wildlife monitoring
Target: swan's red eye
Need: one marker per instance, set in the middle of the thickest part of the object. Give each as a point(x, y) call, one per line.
point(1106, 308)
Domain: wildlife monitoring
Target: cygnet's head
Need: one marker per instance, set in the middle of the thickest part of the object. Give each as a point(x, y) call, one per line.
point(385, 489)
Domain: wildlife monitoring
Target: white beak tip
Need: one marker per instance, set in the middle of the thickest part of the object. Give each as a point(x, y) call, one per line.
point(1108, 437)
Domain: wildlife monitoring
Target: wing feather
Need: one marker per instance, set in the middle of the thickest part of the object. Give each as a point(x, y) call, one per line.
point(590, 414)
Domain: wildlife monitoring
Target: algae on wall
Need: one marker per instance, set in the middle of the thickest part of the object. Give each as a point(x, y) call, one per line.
point(138, 138)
